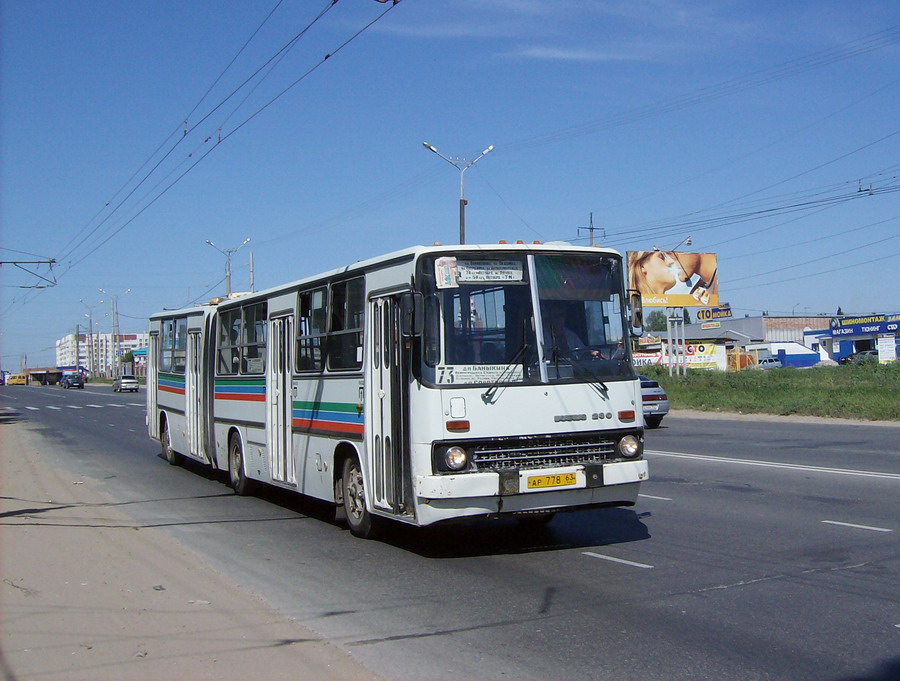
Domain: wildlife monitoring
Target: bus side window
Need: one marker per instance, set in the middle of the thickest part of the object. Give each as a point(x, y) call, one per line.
point(167, 345)
point(346, 337)
point(310, 330)
point(253, 350)
point(229, 335)
point(179, 357)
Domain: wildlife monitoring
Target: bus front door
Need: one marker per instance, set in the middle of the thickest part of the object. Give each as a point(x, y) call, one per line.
point(385, 405)
point(279, 400)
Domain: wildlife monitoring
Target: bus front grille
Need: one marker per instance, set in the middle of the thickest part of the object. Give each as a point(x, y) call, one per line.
point(545, 452)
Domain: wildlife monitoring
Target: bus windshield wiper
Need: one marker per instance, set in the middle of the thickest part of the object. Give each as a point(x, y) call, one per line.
point(488, 395)
point(593, 377)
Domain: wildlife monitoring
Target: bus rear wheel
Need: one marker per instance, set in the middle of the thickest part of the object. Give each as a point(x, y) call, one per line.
point(354, 498)
point(173, 457)
point(238, 480)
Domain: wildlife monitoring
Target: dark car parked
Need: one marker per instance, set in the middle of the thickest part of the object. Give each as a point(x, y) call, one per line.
point(860, 357)
point(72, 381)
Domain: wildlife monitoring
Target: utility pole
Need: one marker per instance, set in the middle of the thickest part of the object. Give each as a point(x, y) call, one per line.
point(50, 262)
point(77, 348)
point(92, 364)
point(116, 340)
point(590, 229)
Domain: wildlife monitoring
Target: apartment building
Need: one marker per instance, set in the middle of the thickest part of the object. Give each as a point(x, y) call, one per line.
point(98, 352)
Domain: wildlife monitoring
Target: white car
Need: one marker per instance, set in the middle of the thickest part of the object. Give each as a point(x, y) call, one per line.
point(770, 363)
point(125, 382)
point(656, 402)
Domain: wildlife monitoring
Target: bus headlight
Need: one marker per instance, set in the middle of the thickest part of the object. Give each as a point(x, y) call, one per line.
point(629, 447)
point(456, 458)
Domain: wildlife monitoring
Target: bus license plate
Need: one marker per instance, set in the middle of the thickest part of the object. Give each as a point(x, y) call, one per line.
point(548, 481)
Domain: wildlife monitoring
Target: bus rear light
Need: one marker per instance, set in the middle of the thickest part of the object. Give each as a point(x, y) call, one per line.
point(626, 415)
point(460, 426)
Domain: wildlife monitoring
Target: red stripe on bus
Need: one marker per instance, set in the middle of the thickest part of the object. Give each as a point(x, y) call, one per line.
point(331, 426)
point(167, 389)
point(243, 397)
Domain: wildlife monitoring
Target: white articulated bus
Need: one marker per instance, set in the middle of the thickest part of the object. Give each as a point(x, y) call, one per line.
point(428, 384)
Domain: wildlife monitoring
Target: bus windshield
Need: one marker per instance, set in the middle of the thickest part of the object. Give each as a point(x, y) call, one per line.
point(537, 318)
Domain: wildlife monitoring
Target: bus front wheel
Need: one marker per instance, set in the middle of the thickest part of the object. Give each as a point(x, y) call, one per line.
point(354, 498)
point(239, 481)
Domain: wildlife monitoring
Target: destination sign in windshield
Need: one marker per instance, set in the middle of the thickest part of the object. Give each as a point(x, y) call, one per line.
point(451, 272)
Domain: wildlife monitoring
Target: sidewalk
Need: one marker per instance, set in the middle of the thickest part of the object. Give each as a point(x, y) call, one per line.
point(87, 595)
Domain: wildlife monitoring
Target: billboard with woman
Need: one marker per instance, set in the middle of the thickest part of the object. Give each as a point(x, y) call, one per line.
point(674, 279)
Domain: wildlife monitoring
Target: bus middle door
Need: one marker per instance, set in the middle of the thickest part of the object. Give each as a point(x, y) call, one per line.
point(194, 402)
point(279, 400)
point(385, 404)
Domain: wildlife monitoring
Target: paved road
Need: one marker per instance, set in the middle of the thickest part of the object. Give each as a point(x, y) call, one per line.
point(759, 550)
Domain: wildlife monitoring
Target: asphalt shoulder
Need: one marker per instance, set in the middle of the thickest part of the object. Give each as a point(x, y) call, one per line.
point(87, 594)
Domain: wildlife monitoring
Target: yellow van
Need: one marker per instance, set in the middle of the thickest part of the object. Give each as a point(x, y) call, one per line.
point(17, 379)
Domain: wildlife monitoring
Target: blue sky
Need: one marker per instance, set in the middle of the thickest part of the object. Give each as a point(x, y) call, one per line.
point(751, 127)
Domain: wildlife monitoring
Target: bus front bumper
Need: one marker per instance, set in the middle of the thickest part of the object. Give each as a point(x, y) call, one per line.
point(530, 481)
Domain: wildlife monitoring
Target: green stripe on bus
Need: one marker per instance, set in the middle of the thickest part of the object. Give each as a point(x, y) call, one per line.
point(349, 407)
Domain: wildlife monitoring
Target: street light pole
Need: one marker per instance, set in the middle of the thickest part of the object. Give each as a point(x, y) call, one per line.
point(114, 308)
point(687, 241)
point(462, 165)
point(228, 252)
point(90, 316)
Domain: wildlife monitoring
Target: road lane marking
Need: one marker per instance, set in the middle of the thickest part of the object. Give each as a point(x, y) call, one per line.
point(858, 527)
point(617, 560)
point(33, 408)
point(94, 406)
point(770, 464)
point(136, 404)
point(120, 406)
point(650, 496)
point(73, 406)
point(55, 408)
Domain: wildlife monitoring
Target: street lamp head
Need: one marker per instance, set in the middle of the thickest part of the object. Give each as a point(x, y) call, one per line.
point(429, 147)
point(488, 150)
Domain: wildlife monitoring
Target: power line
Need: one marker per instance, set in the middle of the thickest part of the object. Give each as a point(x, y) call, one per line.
point(111, 232)
point(187, 131)
point(816, 274)
point(234, 131)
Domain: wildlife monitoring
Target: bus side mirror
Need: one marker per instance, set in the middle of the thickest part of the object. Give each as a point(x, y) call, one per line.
point(412, 317)
point(636, 312)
